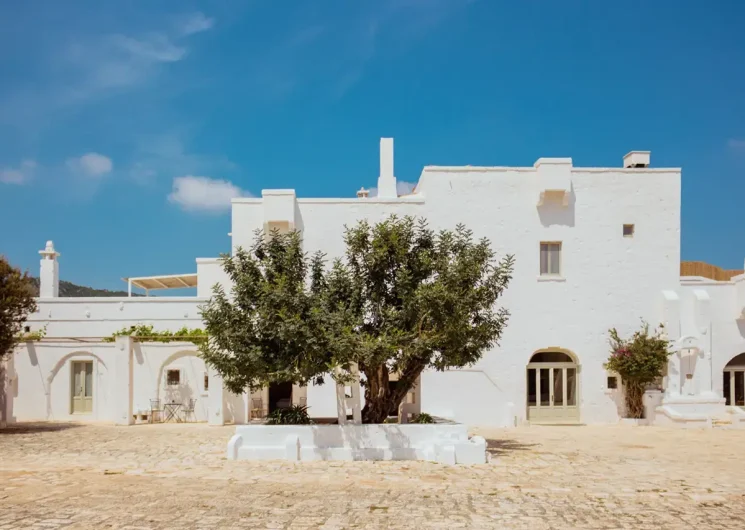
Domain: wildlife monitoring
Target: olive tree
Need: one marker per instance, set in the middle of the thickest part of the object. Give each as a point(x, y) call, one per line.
point(269, 327)
point(16, 303)
point(405, 298)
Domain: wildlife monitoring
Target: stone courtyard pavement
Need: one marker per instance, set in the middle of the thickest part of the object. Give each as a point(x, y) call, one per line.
point(176, 476)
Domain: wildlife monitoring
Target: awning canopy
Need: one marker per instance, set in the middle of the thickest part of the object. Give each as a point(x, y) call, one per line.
point(153, 283)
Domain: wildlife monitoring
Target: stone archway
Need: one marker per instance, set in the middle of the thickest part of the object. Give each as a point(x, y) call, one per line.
point(733, 380)
point(60, 395)
point(186, 383)
point(553, 387)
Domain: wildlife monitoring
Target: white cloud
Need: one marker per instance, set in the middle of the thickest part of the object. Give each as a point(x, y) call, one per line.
point(736, 145)
point(155, 48)
point(166, 155)
point(195, 23)
point(203, 194)
point(93, 67)
point(91, 165)
point(402, 188)
point(21, 175)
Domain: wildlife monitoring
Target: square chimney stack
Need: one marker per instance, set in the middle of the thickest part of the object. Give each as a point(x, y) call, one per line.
point(386, 180)
point(634, 159)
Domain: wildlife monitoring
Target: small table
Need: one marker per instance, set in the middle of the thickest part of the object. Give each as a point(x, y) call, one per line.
point(171, 411)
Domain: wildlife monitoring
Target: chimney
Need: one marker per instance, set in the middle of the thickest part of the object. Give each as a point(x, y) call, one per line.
point(386, 180)
point(363, 193)
point(634, 159)
point(49, 273)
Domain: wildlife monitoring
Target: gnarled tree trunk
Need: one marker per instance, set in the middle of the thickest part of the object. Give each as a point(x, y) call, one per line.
point(634, 399)
point(380, 400)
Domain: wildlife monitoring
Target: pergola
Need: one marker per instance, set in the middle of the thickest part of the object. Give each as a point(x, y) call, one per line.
point(154, 283)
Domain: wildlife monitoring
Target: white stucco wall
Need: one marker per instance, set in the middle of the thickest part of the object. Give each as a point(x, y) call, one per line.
point(727, 330)
point(100, 317)
point(209, 274)
point(608, 280)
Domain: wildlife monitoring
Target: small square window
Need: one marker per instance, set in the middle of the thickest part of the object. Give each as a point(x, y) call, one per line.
point(27, 329)
point(173, 377)
point(550, 259)
point(628, 230)
point(206, 382)
point(612, 382)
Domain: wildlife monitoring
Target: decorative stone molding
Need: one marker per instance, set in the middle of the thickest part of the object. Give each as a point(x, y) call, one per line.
point(554, 180)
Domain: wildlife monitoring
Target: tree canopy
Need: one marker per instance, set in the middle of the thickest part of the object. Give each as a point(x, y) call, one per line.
point(410, 298)
point(402, 299)
point(16, 303)
point(269, 327)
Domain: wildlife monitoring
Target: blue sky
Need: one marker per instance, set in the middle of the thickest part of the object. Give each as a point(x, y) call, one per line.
point(125, 126)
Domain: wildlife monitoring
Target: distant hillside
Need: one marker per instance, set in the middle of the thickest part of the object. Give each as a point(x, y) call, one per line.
point(80, 291)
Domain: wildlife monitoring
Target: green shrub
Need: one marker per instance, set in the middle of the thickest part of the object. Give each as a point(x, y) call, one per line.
point(639, 361)
point(423, 418)
point(295, 415)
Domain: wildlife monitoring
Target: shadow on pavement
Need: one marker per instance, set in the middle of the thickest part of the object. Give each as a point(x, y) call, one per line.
point(31, 428)
point(503, 447)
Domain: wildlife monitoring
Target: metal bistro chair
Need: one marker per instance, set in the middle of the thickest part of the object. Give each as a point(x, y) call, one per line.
point(257, 408)
point(155, 408)
point(188, 410)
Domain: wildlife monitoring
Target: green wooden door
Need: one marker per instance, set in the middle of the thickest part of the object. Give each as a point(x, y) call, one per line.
point(82, 387)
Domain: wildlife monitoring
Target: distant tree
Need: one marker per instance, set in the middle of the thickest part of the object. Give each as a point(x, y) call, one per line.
point(270, 328)
point(16, 303)
point(406, 298)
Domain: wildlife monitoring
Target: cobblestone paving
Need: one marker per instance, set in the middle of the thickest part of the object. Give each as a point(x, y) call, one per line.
point(175, 476)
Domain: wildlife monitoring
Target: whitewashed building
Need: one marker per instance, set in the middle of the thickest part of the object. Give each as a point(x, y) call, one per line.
point(595, 248)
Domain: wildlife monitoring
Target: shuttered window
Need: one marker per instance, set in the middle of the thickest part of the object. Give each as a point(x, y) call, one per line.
point(550, 259)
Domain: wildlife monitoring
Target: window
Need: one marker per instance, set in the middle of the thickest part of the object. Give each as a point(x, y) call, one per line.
point(27, 329)
point(173, 377)
point(612, 382)
point(550, 259)
point(628, 230)
point(206, 382)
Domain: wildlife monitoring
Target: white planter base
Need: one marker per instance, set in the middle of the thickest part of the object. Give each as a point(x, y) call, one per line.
point(447, 444)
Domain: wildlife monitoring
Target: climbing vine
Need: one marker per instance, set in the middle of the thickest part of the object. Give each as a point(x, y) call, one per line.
point(32, 336)
point(146, 332)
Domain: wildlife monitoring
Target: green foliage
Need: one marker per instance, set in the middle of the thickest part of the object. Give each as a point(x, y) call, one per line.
point(16, 303)
point(295, 415)
point(639, 361)
point(403, 299)
point(31, 336)
point(271, 327)
point(423, 418)
point(146, 332)
point(406, 298)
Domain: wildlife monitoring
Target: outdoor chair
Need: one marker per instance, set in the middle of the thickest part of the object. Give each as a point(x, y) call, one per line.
point(188, 410)
point(303, 401)
point(257, 408)
point(155, 409)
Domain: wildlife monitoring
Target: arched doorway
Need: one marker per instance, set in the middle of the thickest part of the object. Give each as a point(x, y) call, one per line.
point(552, 388)
point(734, 381)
